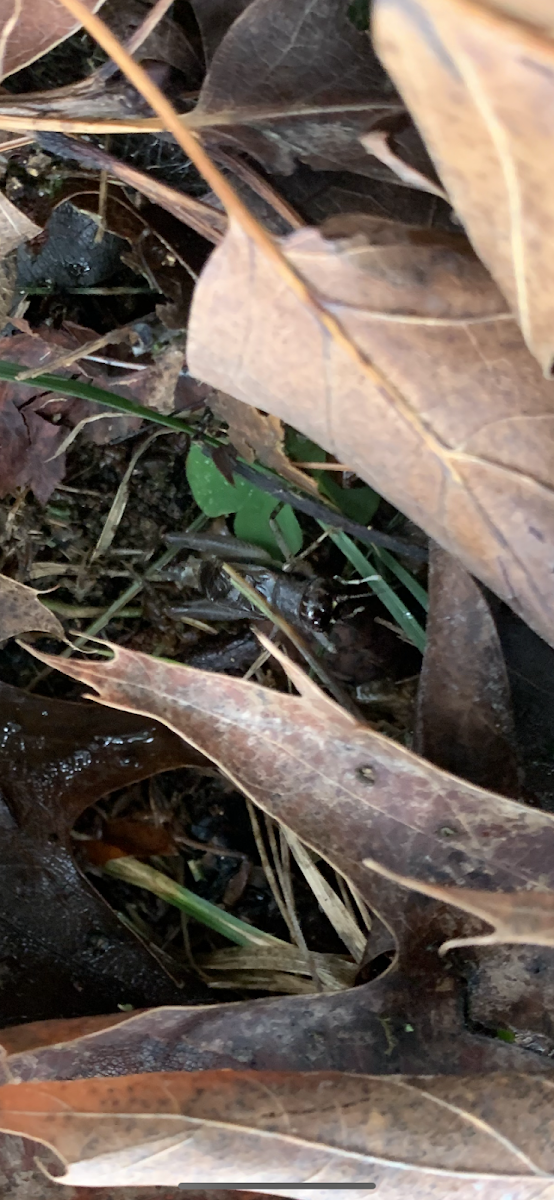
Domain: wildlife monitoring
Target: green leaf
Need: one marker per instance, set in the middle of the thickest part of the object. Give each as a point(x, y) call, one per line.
point(359, 504)
point(302, 449)
point(290, 529)
point(213, 494)
point(216, 497)
point(252, 522)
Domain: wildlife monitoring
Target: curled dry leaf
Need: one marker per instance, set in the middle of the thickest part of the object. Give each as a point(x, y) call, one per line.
point(340, 1032)
point(464, 720)
point(29, 29)
point(426, 389)
point(425, 1136)
point(259, 435)
point(296, 83)
point(480, 85)
point(526, 918)
point(22, 612)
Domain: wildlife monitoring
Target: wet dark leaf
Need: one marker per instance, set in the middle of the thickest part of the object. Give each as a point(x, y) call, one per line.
point(62, 949)
point(464, 721)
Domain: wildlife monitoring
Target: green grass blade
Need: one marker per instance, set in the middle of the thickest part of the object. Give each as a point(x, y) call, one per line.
point(402, 615)
point(406, 578)
point(142, 875)
point(77, 390)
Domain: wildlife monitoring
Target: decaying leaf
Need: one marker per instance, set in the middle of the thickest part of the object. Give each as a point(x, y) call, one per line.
point(424, 1136)
point(526, 918)
point(21, 611)
point(394, 1025)
point(480, 85)
point(297, 83)
point(315, 769)
point(15, 227)
point(214, 19)
point(427, 390)
point(464, 720)
point(259, 435)
point(60, 943)
point(29, 30)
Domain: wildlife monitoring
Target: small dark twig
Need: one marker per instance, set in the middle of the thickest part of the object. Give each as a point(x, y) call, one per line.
point(322, 512)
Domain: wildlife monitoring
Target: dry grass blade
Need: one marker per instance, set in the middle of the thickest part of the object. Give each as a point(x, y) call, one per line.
point(119, 504)
point(281, 969)
point(331, 904)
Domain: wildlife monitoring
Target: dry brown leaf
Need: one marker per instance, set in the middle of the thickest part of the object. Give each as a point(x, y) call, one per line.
point(379, 146)
point(214, 19)
point(22, 612)
point(259, 435)
point(525, 918)
point(425, 1136)
point(341, 1032)
point(464, 720)
point(297, 83)
point(15, 227)
point(29, 28)
point(481, 87)
point(345, 790)
point(431, 396)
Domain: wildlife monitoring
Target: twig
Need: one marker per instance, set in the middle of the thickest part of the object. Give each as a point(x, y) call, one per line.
point(207, 221)
point(268, 482)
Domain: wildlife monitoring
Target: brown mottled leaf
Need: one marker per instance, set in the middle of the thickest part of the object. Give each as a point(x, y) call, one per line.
point(22, 612)
point(526, 918)
point(480, 85)
point(294, 83)
point(29, 28)
point(426, 1136)
point(464, 720)
point(425, 1033)
point(426, 390)
point(259, 435)
point(345, 790)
